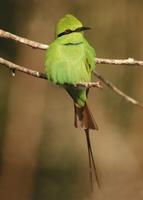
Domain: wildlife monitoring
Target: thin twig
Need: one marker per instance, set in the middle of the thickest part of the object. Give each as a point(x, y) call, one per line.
point(97, 84)
point(37, 74)
point(31, 43)
point(129, 61)
point(25, 70)
point(37, 45)
point(117, 91)
point(89, 84)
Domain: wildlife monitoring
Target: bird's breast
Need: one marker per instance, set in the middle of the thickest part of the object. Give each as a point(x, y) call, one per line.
point(68, 64)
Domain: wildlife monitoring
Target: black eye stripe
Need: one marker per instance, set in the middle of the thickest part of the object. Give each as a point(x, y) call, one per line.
point(68, 31)
point(64, 33)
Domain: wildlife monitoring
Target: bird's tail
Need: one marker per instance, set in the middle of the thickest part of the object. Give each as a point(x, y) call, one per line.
point(92, 166)
point(83, 118)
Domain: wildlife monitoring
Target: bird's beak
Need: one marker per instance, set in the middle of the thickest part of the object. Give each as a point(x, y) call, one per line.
point(80, 29)
point(85, 28)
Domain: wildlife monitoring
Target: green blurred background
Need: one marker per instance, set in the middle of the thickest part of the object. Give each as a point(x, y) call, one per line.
point(42, 156)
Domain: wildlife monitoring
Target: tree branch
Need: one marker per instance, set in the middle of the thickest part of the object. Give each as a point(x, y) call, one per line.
point(22, 40)
point(117, 91)
point(37, 74)
point(25, 70)
point(89, 85)
point(129, 61)
point(97, 84)
point(33, 44)
point(37, 45)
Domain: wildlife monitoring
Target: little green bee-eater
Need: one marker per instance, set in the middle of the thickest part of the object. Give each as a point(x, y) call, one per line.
point(70, 60)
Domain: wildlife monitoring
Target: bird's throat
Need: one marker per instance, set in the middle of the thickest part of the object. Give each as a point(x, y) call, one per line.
point(71, 39)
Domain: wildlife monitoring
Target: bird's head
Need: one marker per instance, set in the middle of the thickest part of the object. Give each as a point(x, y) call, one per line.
point(69, 24)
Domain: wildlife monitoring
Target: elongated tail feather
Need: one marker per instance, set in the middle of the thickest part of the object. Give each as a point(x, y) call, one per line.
point(83, 118)
point(89, 160)
point(92, 166)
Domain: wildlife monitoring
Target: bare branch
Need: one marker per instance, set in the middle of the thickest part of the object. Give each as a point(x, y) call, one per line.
point(89, 85)
point(33, 44)
point(37, 45)
point(37, 74)
point(117, 91)
point(97, 84)
point(129, 61)
point(25, 70)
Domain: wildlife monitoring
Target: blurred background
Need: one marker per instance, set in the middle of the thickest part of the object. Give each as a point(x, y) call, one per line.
point(42, 155)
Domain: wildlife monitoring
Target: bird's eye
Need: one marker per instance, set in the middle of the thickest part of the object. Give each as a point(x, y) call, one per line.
point(68, 31)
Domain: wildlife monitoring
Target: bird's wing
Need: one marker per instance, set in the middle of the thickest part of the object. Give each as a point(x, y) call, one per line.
point(90, 56)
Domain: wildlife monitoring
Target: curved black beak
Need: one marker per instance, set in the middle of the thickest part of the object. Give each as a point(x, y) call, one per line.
point(83, 28)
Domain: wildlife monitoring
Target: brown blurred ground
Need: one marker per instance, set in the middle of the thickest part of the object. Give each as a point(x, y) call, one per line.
point(42, 156)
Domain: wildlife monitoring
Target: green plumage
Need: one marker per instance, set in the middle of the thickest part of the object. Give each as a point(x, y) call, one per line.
point(70, 59)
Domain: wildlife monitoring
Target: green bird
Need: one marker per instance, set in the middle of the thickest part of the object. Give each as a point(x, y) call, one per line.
point(70, 60)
